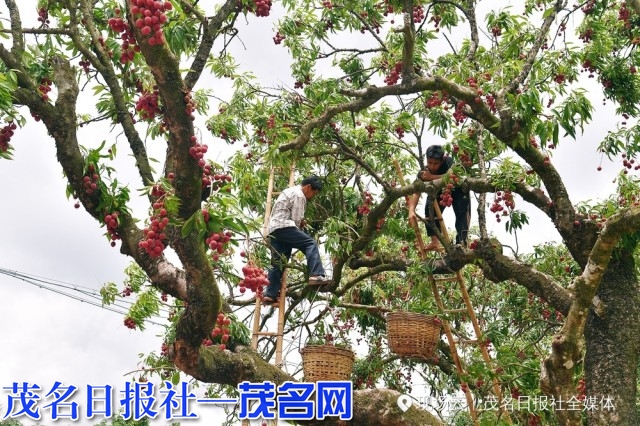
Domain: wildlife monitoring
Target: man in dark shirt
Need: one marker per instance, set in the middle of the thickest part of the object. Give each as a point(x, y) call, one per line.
point(437, 165)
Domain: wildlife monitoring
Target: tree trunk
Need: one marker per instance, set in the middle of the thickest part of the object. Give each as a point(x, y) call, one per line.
point(612, 344)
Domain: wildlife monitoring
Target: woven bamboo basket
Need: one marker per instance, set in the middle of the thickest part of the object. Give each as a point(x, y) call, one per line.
point(326, 362)
point(413, 335)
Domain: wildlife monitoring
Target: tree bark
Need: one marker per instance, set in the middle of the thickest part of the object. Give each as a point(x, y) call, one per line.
point(612, 344)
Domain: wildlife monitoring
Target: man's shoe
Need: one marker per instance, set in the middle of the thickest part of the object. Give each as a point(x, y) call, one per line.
point(266, 300)
point(320, 281)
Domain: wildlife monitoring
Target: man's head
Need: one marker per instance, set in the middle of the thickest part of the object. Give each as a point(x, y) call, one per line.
point(311, 186)
point(435, 156)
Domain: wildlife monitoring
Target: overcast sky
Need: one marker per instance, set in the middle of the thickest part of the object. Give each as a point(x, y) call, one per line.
point(47, 337)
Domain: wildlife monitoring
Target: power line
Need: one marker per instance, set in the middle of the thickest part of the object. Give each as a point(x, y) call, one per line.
point(91, 296)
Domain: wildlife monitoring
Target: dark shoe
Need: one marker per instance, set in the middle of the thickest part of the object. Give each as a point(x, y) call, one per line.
point(266, 300)
point(320, 281)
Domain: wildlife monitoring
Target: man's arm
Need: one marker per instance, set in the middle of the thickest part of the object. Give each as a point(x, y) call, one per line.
point(297, 210)
point(427, 176)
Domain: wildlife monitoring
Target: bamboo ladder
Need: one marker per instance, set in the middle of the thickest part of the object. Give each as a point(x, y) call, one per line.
point(457, 277)
point(256, 332)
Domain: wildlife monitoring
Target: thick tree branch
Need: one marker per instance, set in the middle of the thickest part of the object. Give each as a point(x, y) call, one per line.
point(567, 346)
point(102, 63)
point(408, 37)
point(369, 406)
point(532, 55)
point(204, 296)
point(16, 29)
point(211, 28)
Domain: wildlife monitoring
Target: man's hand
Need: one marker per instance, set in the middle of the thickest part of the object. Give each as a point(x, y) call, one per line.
point(303, 224)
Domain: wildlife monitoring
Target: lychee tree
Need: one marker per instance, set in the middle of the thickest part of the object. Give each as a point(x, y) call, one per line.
point(370, 82)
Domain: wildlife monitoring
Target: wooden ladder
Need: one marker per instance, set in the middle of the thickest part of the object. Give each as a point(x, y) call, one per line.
point(458, 278)
point(256, 332)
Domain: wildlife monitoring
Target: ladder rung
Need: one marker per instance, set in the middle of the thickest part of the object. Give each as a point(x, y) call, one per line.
point(276, 193)
point(455, 311)
point(265, 333)
point(468, 341)
point(446, 280)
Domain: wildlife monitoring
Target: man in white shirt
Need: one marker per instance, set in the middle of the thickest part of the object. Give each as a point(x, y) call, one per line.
point(285, 234)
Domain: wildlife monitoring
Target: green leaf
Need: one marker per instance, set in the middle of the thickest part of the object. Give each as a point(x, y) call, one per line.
point(109, 292)
point(175, 378)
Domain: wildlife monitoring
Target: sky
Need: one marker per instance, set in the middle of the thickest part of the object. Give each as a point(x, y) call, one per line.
point(47, 337)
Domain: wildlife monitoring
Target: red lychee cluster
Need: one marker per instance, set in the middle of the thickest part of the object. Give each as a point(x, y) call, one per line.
point(261, 8)
point(164, 349)
point(624, 15)
point(6, 133)
point(371, 129)
point(465, 158)
point(435, 100)
point(515, 393)
point(154, 240)
point(220, 333)
point(277, 39)
point(85, 64)
point(582, 390)
point(586, 36)
point(491, 102)
point(629, 164)
point(445, 196)
point(418, 14)
point(388, 8)
point(459, 114)
point(436, 21)
point(394, 74)
point(365, 208)
point(399, 131)
point(90, 180)
point(197, 151)
point(111, 222)
point(588, 7)
point(299, 84)
point(149, 18)
point(129, 45)
point(534, 420)
point(220, 180)
point(44, 88)
point(43, 17)
point(271, 121)
point(255, 279)
point(218, 242)
point(374, 25)
point(130, 323)
point(190, 106)
point(500, 198)
point(148, 105)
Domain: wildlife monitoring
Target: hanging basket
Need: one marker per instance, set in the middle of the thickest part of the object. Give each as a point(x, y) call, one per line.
point(326, 362)
point(413, 335)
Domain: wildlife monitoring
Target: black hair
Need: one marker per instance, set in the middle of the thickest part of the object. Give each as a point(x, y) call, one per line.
point(436, 152)
point(314, 181)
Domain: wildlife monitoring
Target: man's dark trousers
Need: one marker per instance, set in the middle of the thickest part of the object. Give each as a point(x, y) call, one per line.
point(283, 241)
point(461, 203)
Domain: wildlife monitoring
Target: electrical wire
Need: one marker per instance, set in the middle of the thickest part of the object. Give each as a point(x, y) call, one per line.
point(87, 295)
